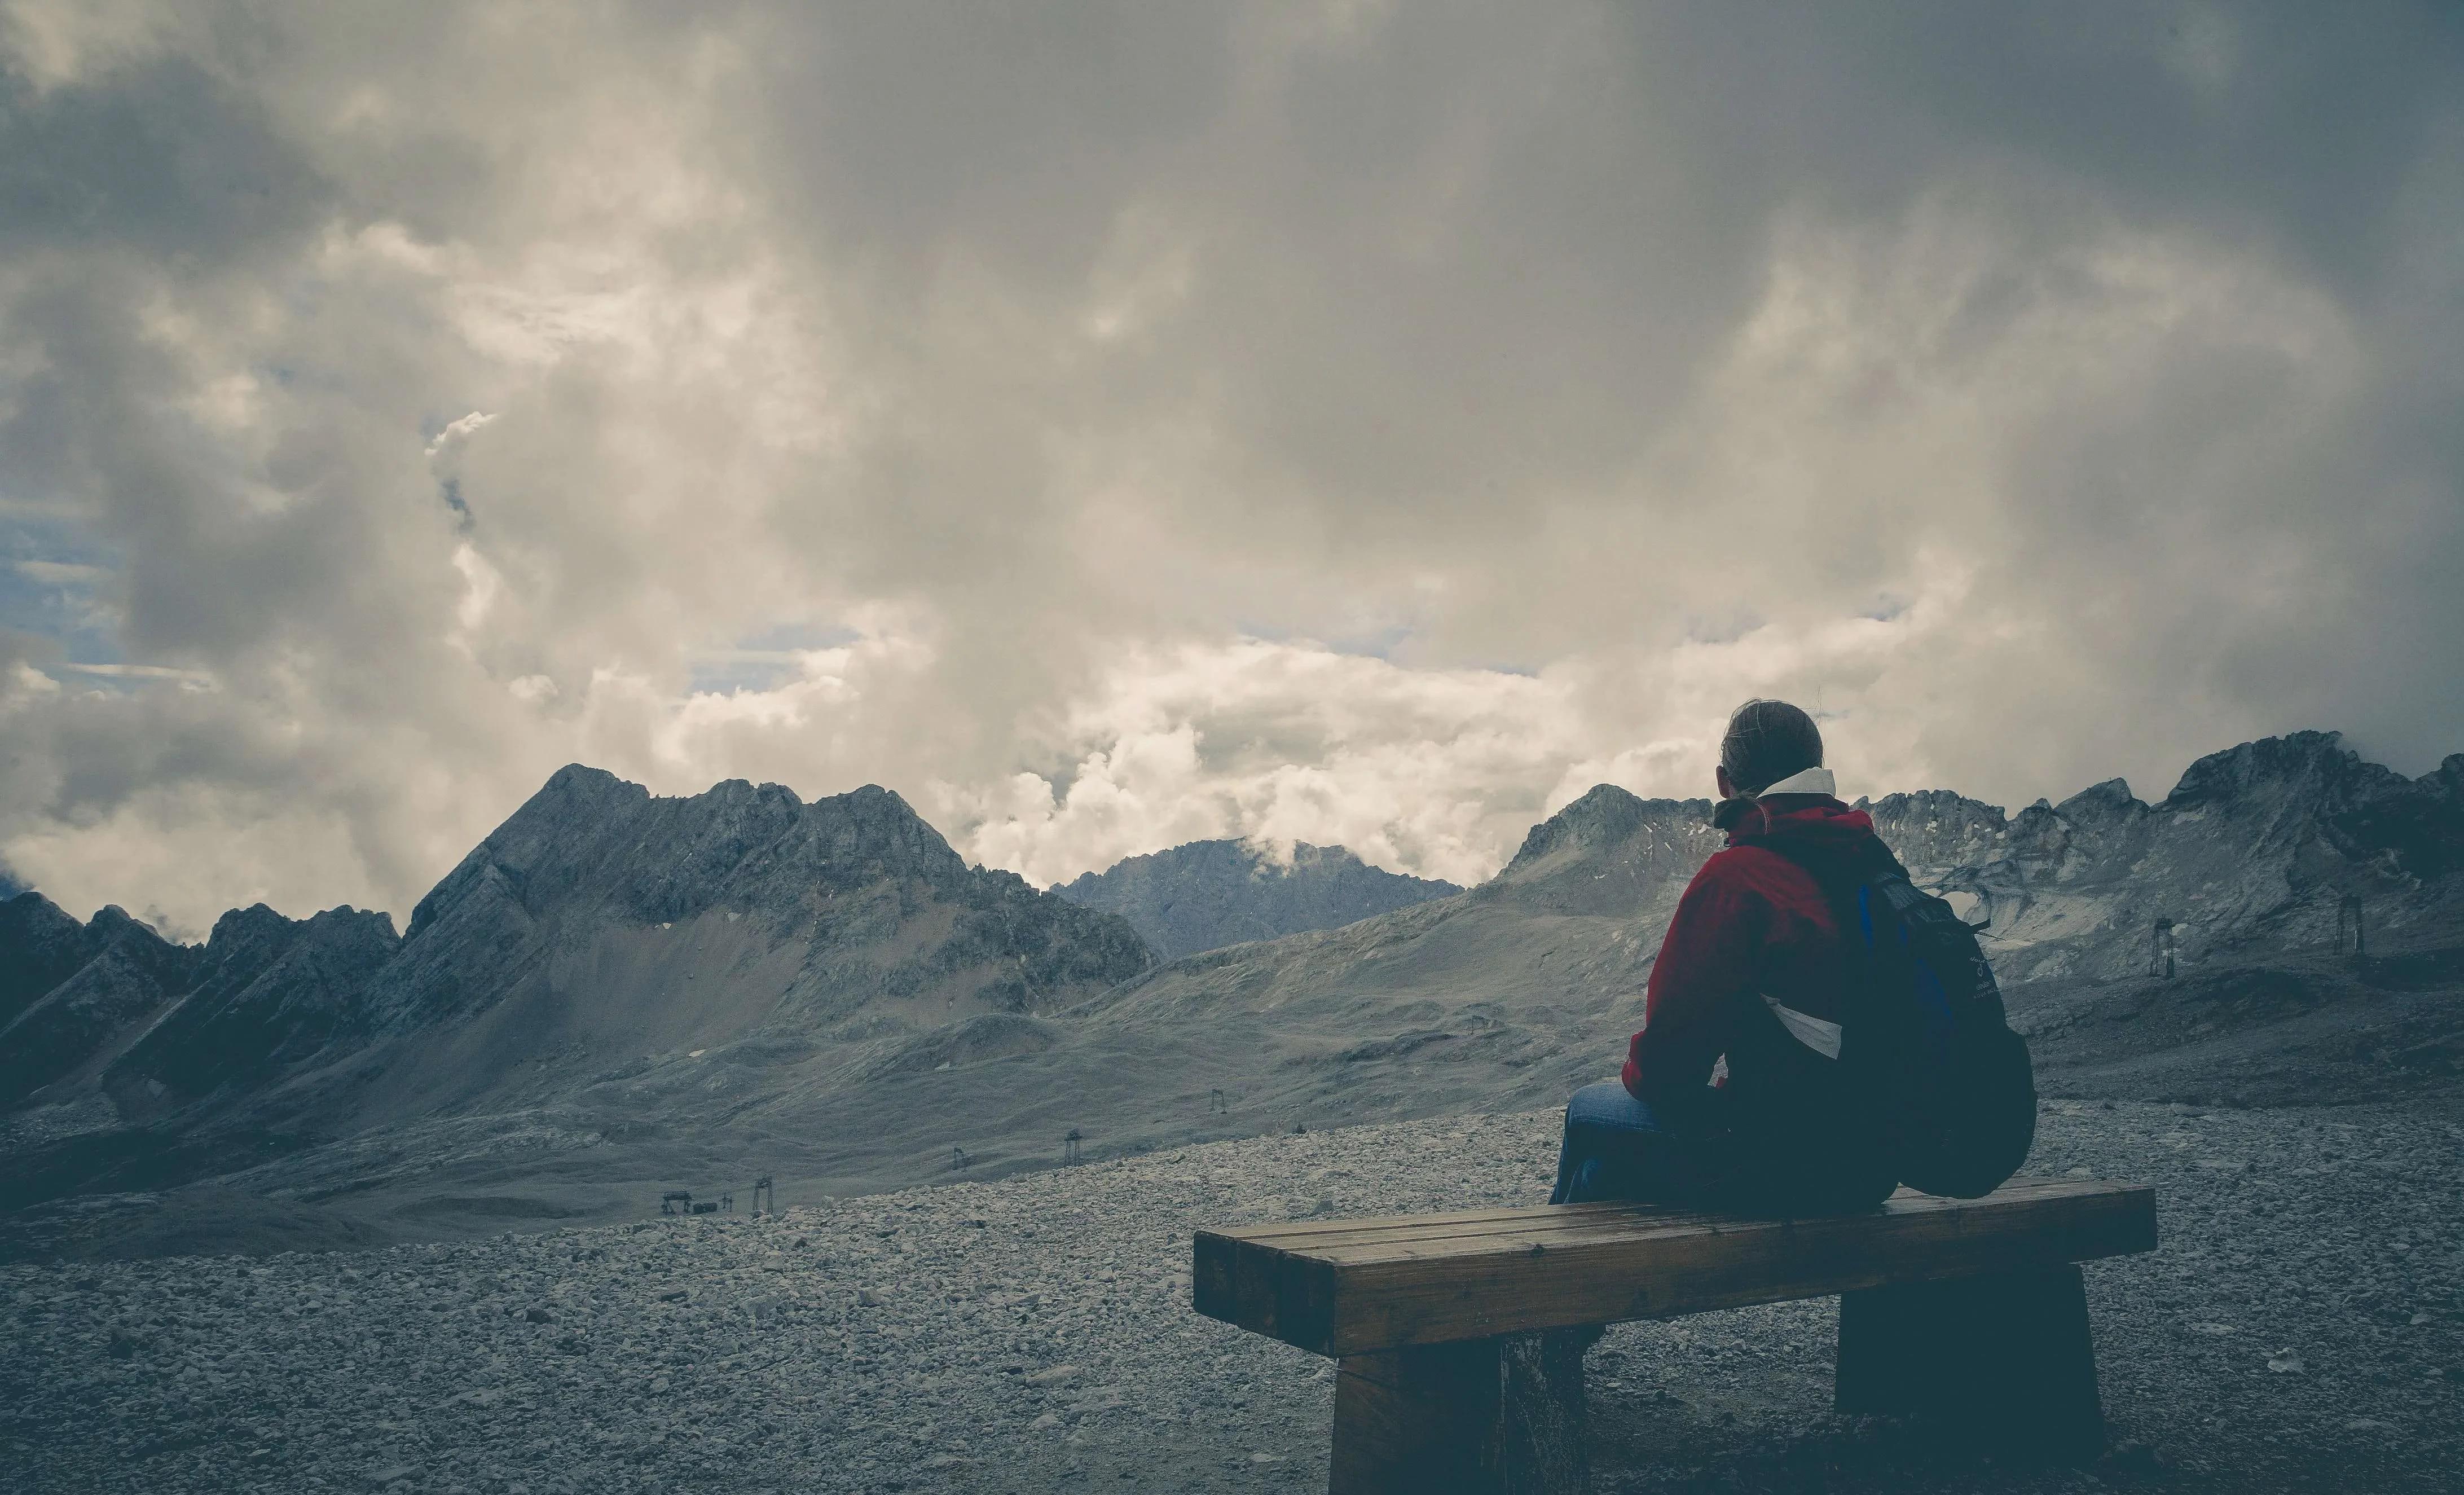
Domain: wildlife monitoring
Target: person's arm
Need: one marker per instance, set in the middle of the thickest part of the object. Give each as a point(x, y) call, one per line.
point(1706, 960)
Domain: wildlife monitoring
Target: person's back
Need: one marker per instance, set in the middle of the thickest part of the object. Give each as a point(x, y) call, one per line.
point(1732, 1092)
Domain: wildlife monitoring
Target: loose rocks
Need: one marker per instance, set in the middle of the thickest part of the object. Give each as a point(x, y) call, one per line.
point(1036, 1335)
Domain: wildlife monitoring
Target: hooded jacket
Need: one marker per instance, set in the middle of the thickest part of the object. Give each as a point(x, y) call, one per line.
point(1752, 971)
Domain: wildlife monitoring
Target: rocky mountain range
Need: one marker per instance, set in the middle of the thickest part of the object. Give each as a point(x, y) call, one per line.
point(1211, 894)
point(616, 994)
point(2254, 850)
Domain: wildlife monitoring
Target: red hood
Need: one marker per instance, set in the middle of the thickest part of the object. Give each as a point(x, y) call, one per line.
point(1807, 819)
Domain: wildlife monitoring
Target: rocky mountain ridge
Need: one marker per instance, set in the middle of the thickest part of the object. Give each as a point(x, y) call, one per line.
point(2257, 848)
point(1207, 894)
point(272, 991)
point(620, 956)
point(119, 974)
point(615, 992)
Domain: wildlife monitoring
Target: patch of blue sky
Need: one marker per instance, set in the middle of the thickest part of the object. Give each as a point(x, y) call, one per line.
point(764, 660)
point(451, 490)
point(1887, 607)
point(54, 585)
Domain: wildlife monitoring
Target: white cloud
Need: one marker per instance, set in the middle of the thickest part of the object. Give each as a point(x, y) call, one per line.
point(1431, 771)
point(455, 433)
point(1369, 428)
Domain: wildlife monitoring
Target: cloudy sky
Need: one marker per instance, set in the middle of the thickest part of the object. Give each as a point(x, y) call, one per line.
point(1114, 424)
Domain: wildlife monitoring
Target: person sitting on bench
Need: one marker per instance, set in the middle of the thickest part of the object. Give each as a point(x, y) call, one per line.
point(1730, 1098)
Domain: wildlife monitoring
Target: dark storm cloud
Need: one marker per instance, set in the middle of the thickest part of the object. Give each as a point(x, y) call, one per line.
point(2047, 392)
point(164, 162)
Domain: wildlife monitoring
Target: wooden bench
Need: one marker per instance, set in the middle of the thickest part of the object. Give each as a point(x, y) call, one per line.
point(1459, 1335)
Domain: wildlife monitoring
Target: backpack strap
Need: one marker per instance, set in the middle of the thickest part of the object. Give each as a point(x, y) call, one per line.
point(1817, 1034)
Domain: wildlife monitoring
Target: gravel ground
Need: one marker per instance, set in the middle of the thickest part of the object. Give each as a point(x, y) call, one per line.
point(2301, 1328)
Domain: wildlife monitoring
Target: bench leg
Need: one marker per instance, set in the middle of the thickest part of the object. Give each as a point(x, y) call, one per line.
point(1479, 1416)
point(2003, 1360)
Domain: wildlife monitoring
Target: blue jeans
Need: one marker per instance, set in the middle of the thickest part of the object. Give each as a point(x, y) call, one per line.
point(1613, 1148)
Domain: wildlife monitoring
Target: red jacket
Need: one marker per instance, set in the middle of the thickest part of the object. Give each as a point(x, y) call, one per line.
point(1752, 924)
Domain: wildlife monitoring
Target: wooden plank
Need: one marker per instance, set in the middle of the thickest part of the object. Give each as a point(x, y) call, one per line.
point(1312, 1235)
point(1415, 1419)
point(1545, 1219)
point(1289, 1232)
point(1278, 1294)
point(2003, 1361)
point(1543, 1270)
point(1479, 1416)
point(1459, 1296)
point(1300, 1233)
point(1400, 1247)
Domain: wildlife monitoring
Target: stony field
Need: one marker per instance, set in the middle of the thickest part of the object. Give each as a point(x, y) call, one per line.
point(2301, 1329)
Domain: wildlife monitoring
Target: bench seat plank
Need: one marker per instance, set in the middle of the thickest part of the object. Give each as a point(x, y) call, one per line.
point(1632, 1224)
point(1528, 1221)
point(1341, 1287)
point(1309, 1233)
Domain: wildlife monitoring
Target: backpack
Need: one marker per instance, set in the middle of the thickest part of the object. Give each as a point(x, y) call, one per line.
point(1925, 1048)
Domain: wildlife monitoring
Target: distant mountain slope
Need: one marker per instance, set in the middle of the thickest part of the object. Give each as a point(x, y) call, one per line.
point(121, 974)
point(1513, 992)
point(40, 947)
point(273, 992)
point(600, 927)
point(875, 903)
point(616, 994)
point(2252, 852)
point(633, 963)
point(1211, 894)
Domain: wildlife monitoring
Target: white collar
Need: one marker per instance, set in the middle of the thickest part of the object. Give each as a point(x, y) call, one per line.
point(1807, 781)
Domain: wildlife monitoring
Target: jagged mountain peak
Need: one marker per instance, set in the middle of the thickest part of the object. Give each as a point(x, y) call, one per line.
point(1602, 818)
point(255, 924)
point(2107, 801)
point(1207, 894)
point(582, 783)
point(41, 945)
point(110, 922)
point(2313, 762)
point(592, 862)
point(660, 858)
point(29, 918)
point(1609, 853)
point(122, 971)
point(1931, 802)
point(244, 942)
point(342, 917)
point(2448, 777)
point(271, 990)
point(1934, 830)
point(235, 921)
point(31, 905)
